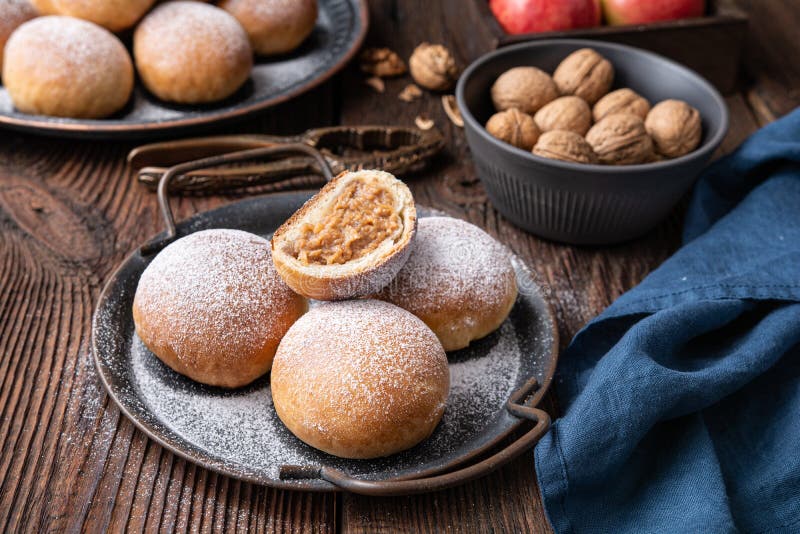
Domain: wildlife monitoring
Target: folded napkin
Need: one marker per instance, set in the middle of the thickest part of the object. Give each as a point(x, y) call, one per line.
point(682, 400)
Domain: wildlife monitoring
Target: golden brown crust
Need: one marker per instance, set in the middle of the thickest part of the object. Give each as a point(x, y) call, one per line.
point(458, 280)
point(44, 7)
point(454, 332)
point(274, 26)
point(114, 15)
point(191, 53)
point(66, 67)
point(360, 379)
point(212, 307)
point(353, 279)
point(12, 14)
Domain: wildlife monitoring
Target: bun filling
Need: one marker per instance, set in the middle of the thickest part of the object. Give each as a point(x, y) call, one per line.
point(359, 220)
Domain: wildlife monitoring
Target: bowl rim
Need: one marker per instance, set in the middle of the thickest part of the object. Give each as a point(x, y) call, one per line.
point(703, 151)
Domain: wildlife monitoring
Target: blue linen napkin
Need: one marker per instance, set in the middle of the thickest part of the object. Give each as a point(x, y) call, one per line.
point(682, 400)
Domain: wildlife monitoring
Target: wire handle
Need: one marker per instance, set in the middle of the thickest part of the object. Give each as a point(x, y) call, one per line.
point(394, 149)
point(234, 157)
point(386, 488)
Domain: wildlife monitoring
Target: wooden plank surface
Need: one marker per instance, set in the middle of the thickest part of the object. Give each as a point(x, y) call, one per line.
point(70, 211)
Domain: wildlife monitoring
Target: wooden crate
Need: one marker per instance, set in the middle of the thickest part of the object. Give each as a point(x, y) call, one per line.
point(711, 45)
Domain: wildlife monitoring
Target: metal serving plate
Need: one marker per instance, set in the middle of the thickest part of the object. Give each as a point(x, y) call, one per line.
point(237, 432)
point(340, 30)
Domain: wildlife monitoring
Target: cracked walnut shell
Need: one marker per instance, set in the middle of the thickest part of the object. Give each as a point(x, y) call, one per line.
point(621, 101)
point(433, 67)
point(569, 113)
point(514, 127)
point(586, 74)
point(564, 146)
point(675, 127)
point(524, 88)
point(621, 139)
point(381, 62)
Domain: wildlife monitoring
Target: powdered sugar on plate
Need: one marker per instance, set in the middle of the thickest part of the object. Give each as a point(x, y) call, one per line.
point(241, 429)
point(238, 431)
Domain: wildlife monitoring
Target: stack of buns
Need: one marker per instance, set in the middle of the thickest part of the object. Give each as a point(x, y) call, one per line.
point(65, 58)
point(364, 374)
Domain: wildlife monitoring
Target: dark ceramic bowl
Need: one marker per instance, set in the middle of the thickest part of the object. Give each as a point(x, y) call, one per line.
point(586, 204)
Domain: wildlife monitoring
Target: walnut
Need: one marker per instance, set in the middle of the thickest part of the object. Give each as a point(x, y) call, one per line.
point(524, 88)
point(450, 107)
point(424, 122)
point(565, 146)
point(514, 127)
point(675, 126)
point(410, 93)
point(381, 62)
point(621, 139)
point(433, 67)
point(586, 74)
point(621, 101)
point(569, 113)
point(376, 83)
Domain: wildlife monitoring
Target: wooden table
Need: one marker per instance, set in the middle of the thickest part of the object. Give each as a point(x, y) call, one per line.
point(70, 211)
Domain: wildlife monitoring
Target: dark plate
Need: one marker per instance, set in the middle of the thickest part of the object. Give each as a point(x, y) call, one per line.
point(340, 30)
point(237, 432)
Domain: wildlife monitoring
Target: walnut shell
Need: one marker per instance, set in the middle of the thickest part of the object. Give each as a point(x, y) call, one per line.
point(569, 113)
point(675, 126)
point(381, 62)
point(565, 146)
point(586, 74)
point(433, 67)
point(514, 127)
point(524, 88)
point(621, 139)
point(621, 101)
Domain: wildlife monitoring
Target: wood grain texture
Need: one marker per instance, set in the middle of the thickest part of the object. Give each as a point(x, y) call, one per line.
point(772, 82)
point(70, 211)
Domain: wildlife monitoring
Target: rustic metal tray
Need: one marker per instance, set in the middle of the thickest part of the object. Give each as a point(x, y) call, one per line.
point(340, 30)
point(496, 382)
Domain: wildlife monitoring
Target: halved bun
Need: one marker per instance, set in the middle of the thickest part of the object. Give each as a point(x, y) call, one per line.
point(350, 239)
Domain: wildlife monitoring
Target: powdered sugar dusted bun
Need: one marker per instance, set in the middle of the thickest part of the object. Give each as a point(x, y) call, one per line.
point(191, 52)
point(66, 67)
point(12, 14)
point(274, 26)
point(350, 239)
point(115, 15)
point(212, 307)
point(43, 7)
point(360, 379)
point(458, 279)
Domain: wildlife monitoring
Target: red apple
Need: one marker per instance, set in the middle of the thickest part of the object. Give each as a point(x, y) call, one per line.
point(618, 12)
point(526, 16)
